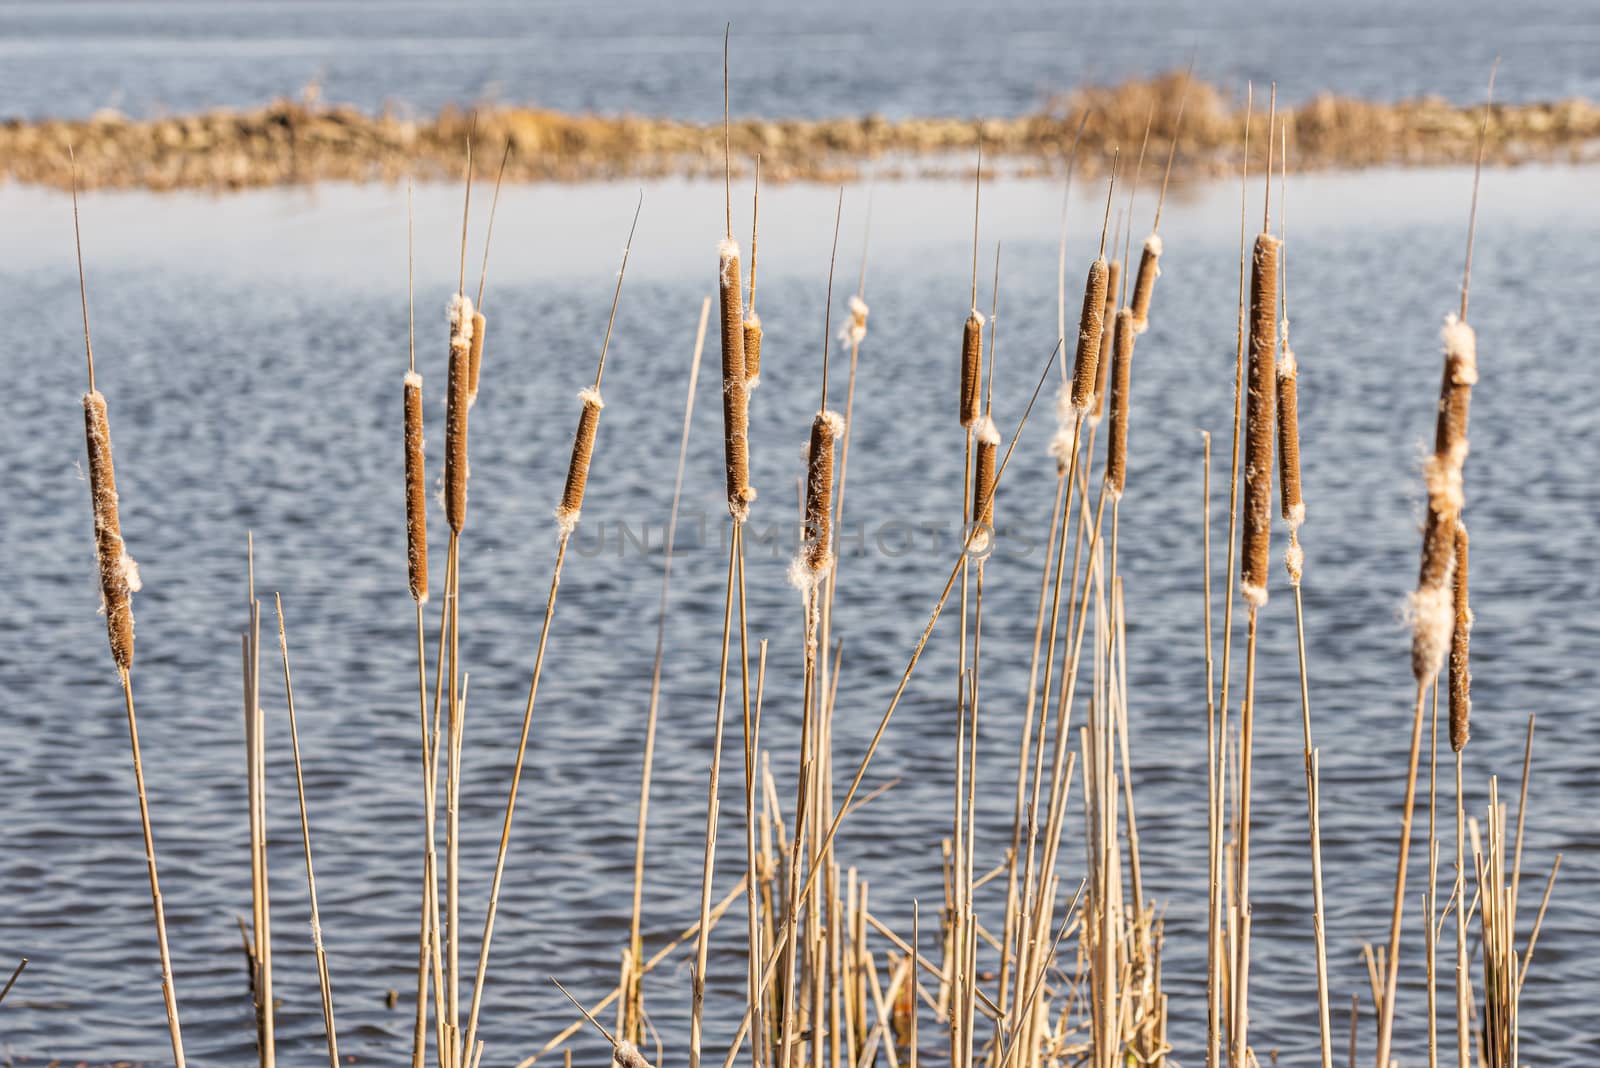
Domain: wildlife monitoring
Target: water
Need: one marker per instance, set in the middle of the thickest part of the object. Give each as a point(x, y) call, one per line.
point(830, 57)
point(252, 348)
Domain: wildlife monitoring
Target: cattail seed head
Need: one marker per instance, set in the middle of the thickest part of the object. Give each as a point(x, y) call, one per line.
point(1259, 422)
point(1145, 282)
point(752, 351)
point(627, 1055)
point(988, 438)
point(1460, 641)
point(1091, 326)
point(457, 401)
point(1107, 340)
point(855, 331)
point(1432, 604)
point(818, 550)
point(1292, 504)
point(416, 493)
point(578, 468)
point(971, 368)
point(119, 575)
point(735, 393)
point(1120, 385)
point(479, 323)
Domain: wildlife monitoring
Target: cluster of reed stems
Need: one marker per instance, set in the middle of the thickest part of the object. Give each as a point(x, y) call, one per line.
point(1066, 973)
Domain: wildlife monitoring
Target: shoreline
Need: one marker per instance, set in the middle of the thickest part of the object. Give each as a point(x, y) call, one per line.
point(305, 142)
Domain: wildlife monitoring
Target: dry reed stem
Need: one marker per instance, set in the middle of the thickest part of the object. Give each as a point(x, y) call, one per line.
point(1121, 384)
point(1091, 325)
point(1460, 642)
point(119, 575)
point(1107, 339)
point(631, 1028)
point(1259, 421)
point(1145, 282)
point(456, 405)
point(323, 979)
point(416, 493)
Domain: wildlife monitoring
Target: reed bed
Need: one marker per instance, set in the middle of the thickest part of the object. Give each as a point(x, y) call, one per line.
point(1043, 970)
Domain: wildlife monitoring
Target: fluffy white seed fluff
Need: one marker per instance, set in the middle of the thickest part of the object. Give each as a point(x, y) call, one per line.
point(728, 253)
point(1442, 475)
point(1255, 596)
point(1461, 341)
point(589, 395)
point(627, 1055)
point(835, 423)
point(130, 572)
point(1061, 447)
point(1294, 558)
point(856, 330)
point(1152, 244)
point(1431, 613)
point(803, 578)
point(1066, 412)
point(1297, 516)
point(567, 522)
point(413, 379)
point(986, 432)
point(978, 315)
point(1288, 366)
point(460, 320)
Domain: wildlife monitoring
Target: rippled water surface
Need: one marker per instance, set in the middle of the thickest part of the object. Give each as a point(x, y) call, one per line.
point(823, 57)
point(252, 350)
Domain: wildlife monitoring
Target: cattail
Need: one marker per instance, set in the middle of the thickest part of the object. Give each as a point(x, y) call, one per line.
point(983, 478)
point(818, 550)
point(856, 332)
point(1432, 602)
point(416, 493)
point(1121, 383)
point(1091, 328)
point(582, 453)
point(119, 575)
point(1293, 506)
point(1259, 428)
point(1460, 641)
point(455, 416)
point(735, 393)
point(752, 351)
point(1145, 282)
point(971, 368)
point(1107, 339)
point(479, 323)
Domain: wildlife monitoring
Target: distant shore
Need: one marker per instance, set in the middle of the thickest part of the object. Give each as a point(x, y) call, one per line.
point(299, 142)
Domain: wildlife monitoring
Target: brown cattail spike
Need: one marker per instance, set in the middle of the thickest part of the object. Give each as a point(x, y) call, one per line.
point(582, 453)
point(1431, 604)
point(119, 575)
point(416, 493)
point(972, 368)
point(735, 394)
point(752, 350)
point(1107, 339)
point(457, 400)
point(476, 360)
point(1091, 327)
point(1291, 503)
point(988, 438)
point(819, 492)
point(1460, 641)
point(1259, 421)
point(1120, 386)
point(1145, 283)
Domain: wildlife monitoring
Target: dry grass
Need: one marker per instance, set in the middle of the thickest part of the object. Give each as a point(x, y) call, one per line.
point(290, 142)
